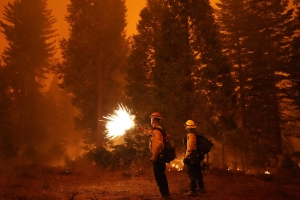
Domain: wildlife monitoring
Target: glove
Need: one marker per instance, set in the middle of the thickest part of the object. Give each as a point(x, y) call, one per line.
point(186, 161)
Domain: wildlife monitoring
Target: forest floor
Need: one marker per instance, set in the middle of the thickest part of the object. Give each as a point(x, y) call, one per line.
point(42, 183)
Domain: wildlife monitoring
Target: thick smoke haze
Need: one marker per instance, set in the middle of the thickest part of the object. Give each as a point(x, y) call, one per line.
point(59, 9)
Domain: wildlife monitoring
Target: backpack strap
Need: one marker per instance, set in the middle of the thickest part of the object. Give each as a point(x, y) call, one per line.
point(195, 152)
point(160, 129)
point(162, 132)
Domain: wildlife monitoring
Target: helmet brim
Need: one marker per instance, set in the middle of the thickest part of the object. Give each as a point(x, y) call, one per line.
point(191, 126)
point(155, 117)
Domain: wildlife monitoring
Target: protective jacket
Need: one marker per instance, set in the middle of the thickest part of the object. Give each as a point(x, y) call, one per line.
point(156, 144)
point(191, 144)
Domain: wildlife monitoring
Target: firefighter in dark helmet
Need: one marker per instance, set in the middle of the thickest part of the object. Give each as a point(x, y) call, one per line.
point(156, 148)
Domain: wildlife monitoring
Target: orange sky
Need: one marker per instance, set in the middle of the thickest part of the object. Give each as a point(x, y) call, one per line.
point(59, 10)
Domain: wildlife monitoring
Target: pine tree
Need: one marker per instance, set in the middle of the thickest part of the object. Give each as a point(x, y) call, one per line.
point(7, 148)
point(267, 43)
point(294, 73)
point(184, 72)
point(142, 59)
point(231, 19)
point(27, 26)
point(92, 56)
point(173, 86)
point(257, 43)
point(5, 101)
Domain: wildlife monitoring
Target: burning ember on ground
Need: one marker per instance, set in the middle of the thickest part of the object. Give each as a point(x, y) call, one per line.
point(118, 122)
point(176, 165)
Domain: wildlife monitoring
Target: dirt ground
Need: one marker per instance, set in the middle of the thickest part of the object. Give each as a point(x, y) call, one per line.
point(39, 183)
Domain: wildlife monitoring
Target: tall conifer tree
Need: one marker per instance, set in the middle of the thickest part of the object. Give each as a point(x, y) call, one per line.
point(7, 149)
point(92, 56)
point(294, 72)
point(257, 43)
point(27, 26)
point(142, 59)
point(184, 72)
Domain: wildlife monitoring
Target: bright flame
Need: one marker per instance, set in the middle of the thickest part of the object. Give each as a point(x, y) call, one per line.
point(118, 122)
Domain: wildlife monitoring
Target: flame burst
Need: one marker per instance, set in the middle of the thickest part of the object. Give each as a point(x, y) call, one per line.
point(118, 122)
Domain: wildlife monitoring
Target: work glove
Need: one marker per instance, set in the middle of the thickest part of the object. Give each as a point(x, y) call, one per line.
point(186, 161)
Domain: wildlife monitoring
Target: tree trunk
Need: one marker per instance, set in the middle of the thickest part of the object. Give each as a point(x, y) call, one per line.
point(242, 158)
point(223, 152)
point(99, 139)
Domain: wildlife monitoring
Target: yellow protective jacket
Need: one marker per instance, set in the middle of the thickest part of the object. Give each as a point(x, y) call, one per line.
point(156, 144)
point(191, 144)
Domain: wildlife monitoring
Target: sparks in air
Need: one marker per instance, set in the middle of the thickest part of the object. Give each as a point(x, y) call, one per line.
point(118, 122)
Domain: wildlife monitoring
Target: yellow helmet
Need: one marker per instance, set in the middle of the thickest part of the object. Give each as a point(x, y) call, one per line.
point(190, 124)
point(155, 115)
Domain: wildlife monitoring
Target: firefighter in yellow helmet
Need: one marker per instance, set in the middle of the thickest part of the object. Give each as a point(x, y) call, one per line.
point(192, 160)
point(156, 148)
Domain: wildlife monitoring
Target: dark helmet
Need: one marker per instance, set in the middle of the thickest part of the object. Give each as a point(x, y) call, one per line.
point(155, 115)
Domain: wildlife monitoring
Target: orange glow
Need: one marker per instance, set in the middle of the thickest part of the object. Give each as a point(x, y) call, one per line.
point(133, 10)
point(59, 9)
point(3, 42)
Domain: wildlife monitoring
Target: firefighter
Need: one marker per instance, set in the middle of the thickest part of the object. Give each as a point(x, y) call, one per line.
point(193, 160)
point(156, 147)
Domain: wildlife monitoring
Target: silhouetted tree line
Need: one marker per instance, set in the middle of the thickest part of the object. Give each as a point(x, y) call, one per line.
point(234, 70)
